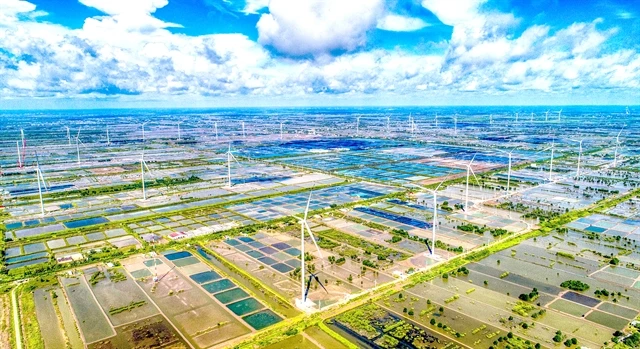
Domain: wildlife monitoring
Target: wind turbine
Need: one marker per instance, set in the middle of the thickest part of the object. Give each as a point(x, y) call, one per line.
point(41, 183)
point(280, 130)
point(108, 139)
point(559, 114)
point(552, 148)
point(469, 171)
point(388, 124)
point(357, 125)
point(579, 155)
point(215, 128)
point(509, 169)
point(68, 135)
point(78, 141)
point(490, 119)
point(244, 135)
point(436, 120)
point(615, 156)
point(546, 115)
point(142, 125)
point(304, 226)
point(434, 192)
point(230, 157)
point(311, 277)
point(531, 119)
point(627, 111)
point(516, 117)
point(143, 165)
point(179, 133)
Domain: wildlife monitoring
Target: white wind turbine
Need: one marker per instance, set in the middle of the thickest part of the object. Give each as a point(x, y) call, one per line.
point(546, 115)
point(357, 125)
point(108, 139)
point(559, 114)
point(469, 171)
point(531, 119)
point(281, 130)
point(41, 183)
point(304, 227)
point(230, 157)
point(436, 120)
point(434, 193)
point(615, 156)
point(244, 135)
point(68, 135)
point(143, 165)
point(490, 119)
point(552, 148)
point(179, 132)
point(579, 154)
point(509, 168)
point(388, 124)
point(516, 117)
point(626, 110)
point(78, 142)
point(142, 125)
point(215, 128)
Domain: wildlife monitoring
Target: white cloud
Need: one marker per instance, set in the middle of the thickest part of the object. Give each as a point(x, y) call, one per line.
point(315, 27)
point(398, 23)
point(253, 6)
point(132, 52)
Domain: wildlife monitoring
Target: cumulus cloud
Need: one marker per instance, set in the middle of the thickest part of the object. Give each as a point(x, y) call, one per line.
point(130, 52)
point(315, 27)
point(398, 23)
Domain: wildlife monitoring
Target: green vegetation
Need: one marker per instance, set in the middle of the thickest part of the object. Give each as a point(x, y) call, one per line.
point(369, 248)
point(529, 297)
point(30, 329)
point(128, 307)
point(565, 255)
point(575, 285)
point(115, 275)
point(96, 277)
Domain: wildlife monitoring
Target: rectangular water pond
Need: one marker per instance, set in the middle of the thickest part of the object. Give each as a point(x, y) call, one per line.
point(204, 277)
point(581, 299)
point(218, 286)
point(85, 222)
point(245, 306)
point(262, 319)
point(231, 295)
point(177, 255)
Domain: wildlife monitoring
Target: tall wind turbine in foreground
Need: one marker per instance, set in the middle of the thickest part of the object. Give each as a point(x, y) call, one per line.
point(304, 227)
point(41, 183)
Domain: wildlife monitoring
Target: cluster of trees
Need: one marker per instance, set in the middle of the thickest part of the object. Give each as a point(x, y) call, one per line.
point(575, 285)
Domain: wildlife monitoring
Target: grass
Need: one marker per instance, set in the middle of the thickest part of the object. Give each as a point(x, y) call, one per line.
point(369, 247)
point(31, 330)
point(128, 307)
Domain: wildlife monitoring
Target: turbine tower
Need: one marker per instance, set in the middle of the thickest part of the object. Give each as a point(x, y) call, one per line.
point(142, 125)
point(280, 130)
point(244, 135)
point(388, 124)
point(19, 155)
point(357, 125)
point(68, 135)
point(455, 125)
point(215, 128)
point(546, 115)
point(436, 120)
point(179, 133)
point(509, 169)
point(108, 139)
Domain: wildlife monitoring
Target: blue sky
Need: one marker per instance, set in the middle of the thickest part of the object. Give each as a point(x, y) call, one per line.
point(115, 53)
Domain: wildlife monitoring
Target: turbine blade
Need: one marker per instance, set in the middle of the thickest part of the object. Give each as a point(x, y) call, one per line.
point(473, 158)
point(474, 176)
point(429, 247)
point(306, 210)
point(314, 241)
point(306, 291)
point(320, 283)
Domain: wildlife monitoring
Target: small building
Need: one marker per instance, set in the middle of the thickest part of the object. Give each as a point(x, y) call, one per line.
point(177, 235)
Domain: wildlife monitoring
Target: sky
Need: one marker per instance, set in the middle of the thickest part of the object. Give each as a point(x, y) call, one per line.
point(66, 54)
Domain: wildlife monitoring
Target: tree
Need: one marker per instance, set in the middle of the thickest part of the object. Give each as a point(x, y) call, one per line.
point(432, 322)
